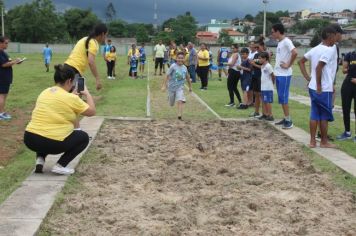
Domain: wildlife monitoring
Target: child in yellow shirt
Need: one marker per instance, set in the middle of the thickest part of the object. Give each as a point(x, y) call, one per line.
point(110, 61)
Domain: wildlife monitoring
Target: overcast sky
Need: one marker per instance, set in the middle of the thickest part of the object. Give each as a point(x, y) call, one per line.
point(202, 10)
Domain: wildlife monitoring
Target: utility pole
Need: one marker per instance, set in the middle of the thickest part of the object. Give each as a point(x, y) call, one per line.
point(264, 17)
point(2, 21)
point(155, 15)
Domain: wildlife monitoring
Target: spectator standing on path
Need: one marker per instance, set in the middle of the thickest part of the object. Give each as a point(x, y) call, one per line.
point(320, 85)
point(159, 50)
point(176, 77)
point(234, 74)
point(85, 51)
point(348, 93)
point(286, 53)
point(203, 66)
point(47, 56)
point(51, 128)
point(193, 61)
point(5, 76)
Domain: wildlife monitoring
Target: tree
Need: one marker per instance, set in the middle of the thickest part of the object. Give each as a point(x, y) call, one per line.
point(110, 12)
point(118, 28)
point(184, 29)
point(249, 17)
point(225, 38)
point(80, 22)
point(141, 34)
point(36, 22)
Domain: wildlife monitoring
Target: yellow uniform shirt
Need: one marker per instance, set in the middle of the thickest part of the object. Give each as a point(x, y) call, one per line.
point(55, 113)
point(186, 59)
point(78, 58)
point(173, 54)
point(204, 54)
point(137, 53)
point(111, 56)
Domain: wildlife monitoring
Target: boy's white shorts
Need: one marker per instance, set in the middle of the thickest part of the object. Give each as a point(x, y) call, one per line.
point(175, 96)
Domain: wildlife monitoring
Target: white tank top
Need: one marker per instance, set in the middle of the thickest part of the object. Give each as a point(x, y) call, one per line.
point(237, 63)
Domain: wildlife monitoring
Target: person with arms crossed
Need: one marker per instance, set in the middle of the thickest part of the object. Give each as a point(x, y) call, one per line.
point(286, 53)
point(193, 60)
point(320, 84)
point(159, 50)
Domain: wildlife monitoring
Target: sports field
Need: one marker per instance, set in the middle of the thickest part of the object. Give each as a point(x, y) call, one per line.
point(189, 177)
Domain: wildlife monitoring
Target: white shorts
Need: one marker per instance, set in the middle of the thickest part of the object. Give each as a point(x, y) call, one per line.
point(175, 96)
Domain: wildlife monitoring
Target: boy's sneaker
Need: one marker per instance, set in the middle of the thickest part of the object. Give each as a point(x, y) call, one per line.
point(230, 105)
point(5, 116)
point(242, 106)
point(39, 164)
point(281, 122)
point(344, 136)
point(58, 169)
point(288, 124)
point(254, 114)
point(269, 118)
point(263, 117)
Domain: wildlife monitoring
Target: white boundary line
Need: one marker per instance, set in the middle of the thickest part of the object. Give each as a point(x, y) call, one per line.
point(148, 103)
point(204, 104)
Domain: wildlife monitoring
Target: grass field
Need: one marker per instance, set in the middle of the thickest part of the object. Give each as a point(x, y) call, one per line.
point(120, 97)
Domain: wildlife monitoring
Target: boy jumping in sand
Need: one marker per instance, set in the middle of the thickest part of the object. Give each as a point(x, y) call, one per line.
point(176, 76)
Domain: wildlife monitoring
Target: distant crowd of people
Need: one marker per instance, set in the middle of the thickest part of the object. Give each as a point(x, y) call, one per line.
point(54, 126)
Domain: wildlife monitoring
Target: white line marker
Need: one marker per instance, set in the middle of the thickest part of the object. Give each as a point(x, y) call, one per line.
point(148, 103)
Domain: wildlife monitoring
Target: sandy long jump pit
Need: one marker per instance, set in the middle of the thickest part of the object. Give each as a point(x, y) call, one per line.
point(201, 178)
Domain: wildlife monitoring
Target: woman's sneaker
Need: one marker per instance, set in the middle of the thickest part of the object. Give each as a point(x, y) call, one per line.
point(58, 169)
point(344, 136)
point(39, 164)
point(242, 106)
point(5, 116)
point(230, 105)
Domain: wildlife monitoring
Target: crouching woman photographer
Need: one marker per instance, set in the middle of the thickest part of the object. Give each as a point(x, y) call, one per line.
point(51, 129)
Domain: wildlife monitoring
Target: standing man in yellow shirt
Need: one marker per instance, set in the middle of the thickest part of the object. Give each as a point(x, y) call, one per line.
point(84, 53)
point(159, 55)
point(203, 66)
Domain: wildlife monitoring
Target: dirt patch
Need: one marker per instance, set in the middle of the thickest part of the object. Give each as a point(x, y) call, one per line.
point(193, 178)
point(11, 137)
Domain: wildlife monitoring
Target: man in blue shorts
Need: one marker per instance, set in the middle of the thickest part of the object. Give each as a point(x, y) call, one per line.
point(286, 53)
point(321, 80)
point(222, 59)
point(142, 59)
point(47, 55)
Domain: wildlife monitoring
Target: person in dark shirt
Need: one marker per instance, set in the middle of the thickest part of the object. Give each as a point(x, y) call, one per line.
point(348, 93)
point(5, 76)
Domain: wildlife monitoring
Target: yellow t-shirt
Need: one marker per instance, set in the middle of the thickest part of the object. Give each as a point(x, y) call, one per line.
point(173, 54)
point(137, 53)
point(204, 54)
point(78, 58)
point(186, 59)
point(55, 113)
point(111, 56)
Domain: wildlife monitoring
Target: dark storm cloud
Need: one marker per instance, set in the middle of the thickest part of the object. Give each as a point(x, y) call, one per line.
point(202, 10)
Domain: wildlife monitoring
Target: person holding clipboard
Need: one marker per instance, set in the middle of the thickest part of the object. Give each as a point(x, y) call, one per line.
point(5, 75)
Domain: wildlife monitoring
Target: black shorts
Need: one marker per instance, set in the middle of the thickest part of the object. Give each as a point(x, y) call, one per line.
point(159, 61)
point(256, 84)
point(4, 88)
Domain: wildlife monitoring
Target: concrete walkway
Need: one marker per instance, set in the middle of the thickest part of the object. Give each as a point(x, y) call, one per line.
point(23, 211)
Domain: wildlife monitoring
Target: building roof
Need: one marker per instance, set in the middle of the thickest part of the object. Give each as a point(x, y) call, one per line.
point(205, 34)
point(235, 33)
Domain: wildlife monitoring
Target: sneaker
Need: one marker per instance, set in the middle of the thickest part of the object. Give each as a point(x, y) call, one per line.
point(58, 169)
point(242, 107)
point(113, 77)
point(109, 77)
point(179, 118)
point(269, 118)
point(5, 116)
point(254, 114)
point(230, 104)
point(205, 88)
point(39, 164)
point(263, 117)
point(281, 122)
point(288, 124)
point(344, 136)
